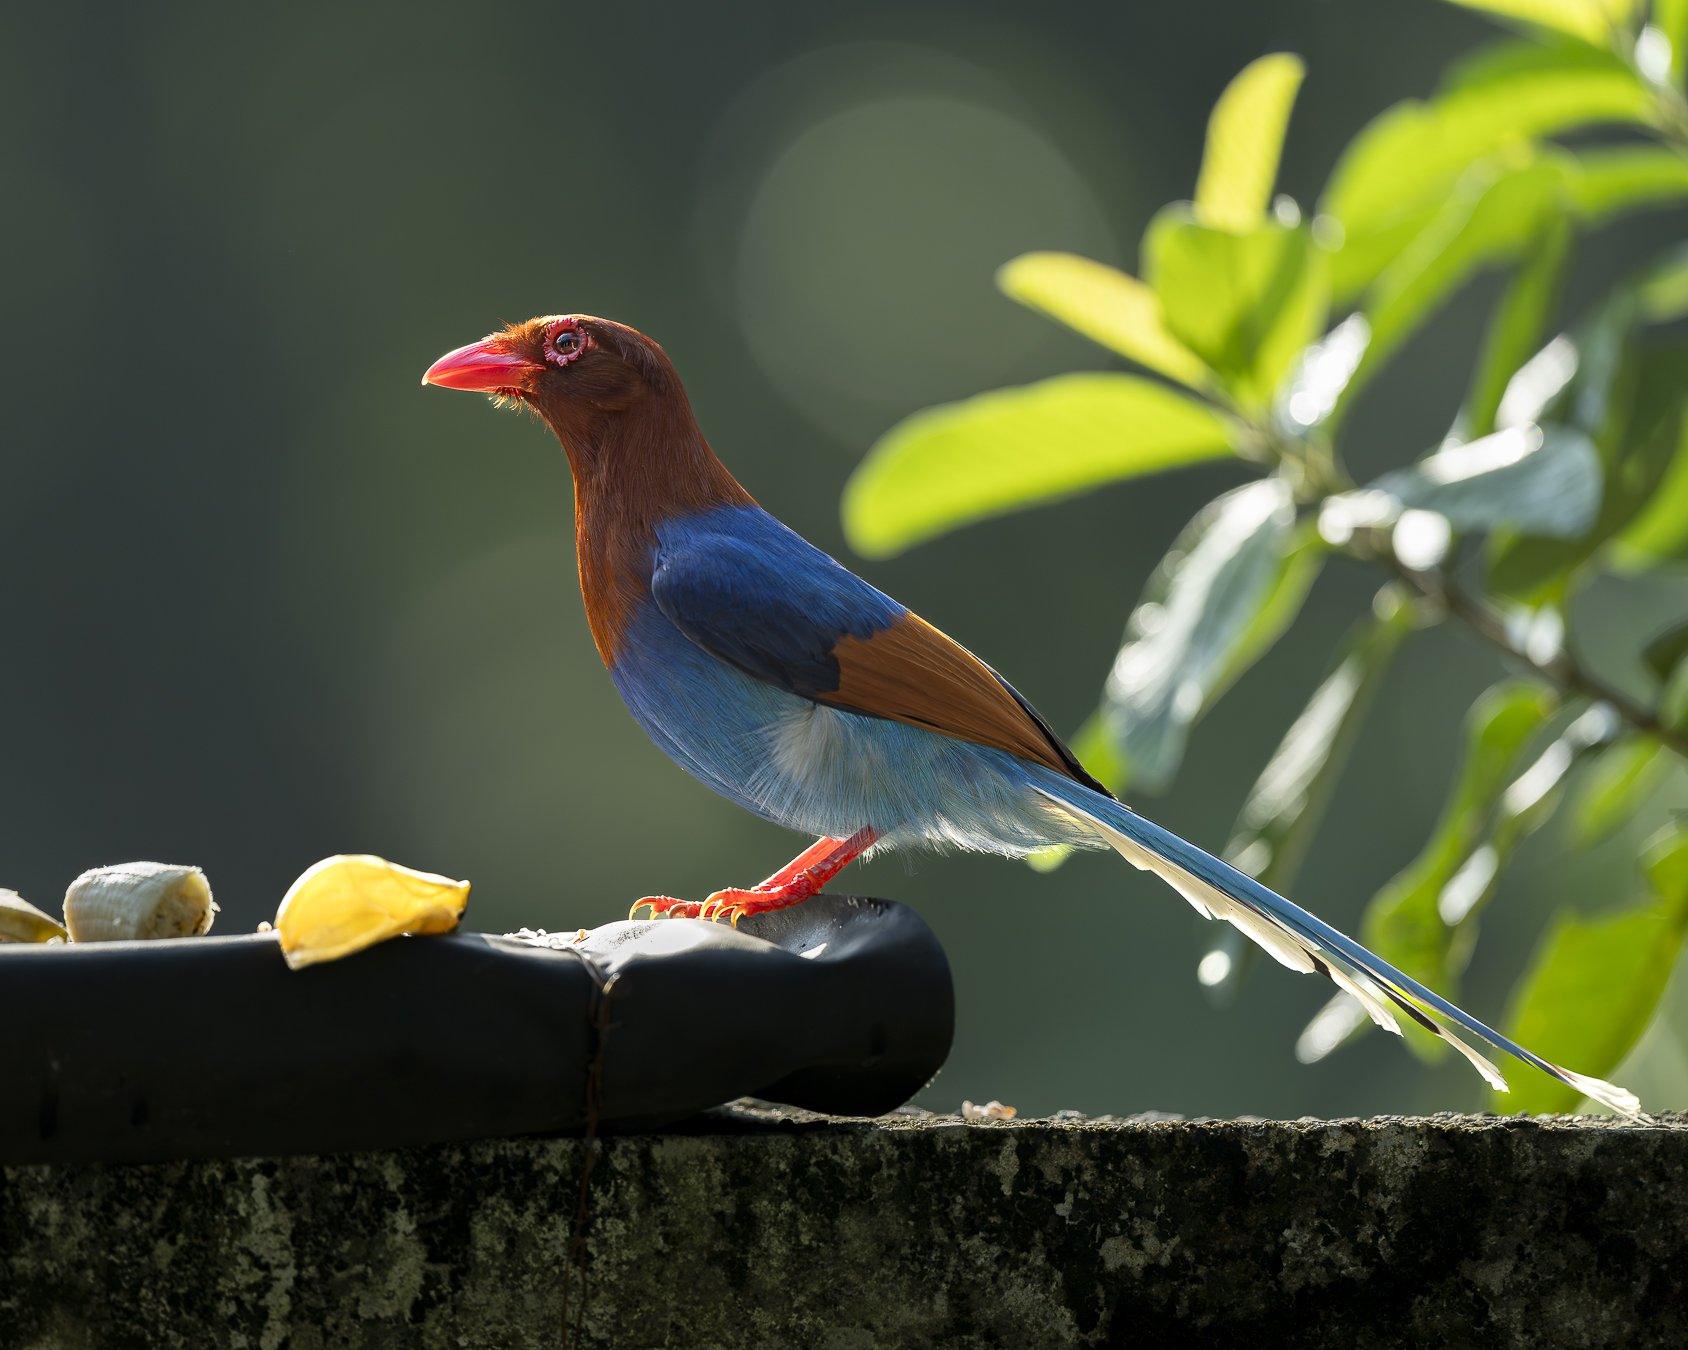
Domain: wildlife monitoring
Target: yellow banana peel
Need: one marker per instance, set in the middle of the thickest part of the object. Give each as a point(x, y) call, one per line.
point(354, 900)
point(20, 921)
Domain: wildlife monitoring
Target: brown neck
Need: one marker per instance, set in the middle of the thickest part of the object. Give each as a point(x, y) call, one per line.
point(632, 470)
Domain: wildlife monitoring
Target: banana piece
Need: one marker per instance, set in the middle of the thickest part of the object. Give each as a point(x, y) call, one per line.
point(354, 900)
point(138, 900)
point(20, 921)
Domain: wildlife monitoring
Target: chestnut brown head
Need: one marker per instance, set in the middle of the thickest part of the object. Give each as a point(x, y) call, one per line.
point(581, 374)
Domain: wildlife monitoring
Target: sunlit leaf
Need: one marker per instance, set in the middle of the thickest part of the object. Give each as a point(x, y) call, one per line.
point(1488, 217)
point(1395, 175)
point(1599, 377)
point(1299, 566)
point(1620, 780)
point(961, 462)
point(1609, 181)
point(1670, 19)
point(1628, 395)
point(1664, 862)
point(1538, 70)
point(1107, 306)
point(1246, 303)
point(1534, 794)
point(1288, 801)
point(1589, 186)
point(1404, 923)
point(1321, 375)
point(1590, 21)
point(1245, 137)
point(1593, 984)
point(1532, 479)
point(1518, 323)
point(1427, 915)
point(1199, 607)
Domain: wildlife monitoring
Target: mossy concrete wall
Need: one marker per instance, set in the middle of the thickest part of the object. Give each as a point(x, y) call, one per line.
point(771, 1229)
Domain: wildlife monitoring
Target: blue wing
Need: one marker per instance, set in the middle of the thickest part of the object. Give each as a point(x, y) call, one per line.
point(762, 598)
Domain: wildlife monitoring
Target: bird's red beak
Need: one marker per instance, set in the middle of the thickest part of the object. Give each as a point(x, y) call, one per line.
point(487, 366)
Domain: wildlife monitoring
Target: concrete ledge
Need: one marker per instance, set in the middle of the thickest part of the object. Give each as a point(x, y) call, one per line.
point(761, 1228)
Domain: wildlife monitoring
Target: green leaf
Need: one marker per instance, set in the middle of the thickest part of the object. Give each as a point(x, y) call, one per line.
point(961, 462)
point(1518, 322)
point(1299, 566)
point(1590, 21)
point(1288, 801)
point(1395, 175)
point(1618, 783)
point(1673, 700)
point(1284, 592)
point(1466, 882)
point(1664, 653)
point(1404, 923)
point(1664, 862)
point(1670, 17)
point(1583, 379)
point(1245, 137)
point(1536, 480)
point(1197, 611)
point(1488, 217)
point(1663, 291)
point(1660, 533)
point(1627, 394)
point(1246, 303)
point(1107, 306)
point(1516, 205)
point(1321, 375)
point(1593, 984)
point(1607, 182)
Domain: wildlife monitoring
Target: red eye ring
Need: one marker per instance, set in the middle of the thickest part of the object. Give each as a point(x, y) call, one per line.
point(565, 341)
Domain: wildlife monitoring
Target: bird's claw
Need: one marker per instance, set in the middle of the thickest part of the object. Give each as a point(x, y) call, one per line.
point(734, 904)
point(665, 907)
point(720, 906)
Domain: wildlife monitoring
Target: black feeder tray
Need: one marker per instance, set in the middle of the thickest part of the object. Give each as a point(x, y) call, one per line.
point(212, 1047)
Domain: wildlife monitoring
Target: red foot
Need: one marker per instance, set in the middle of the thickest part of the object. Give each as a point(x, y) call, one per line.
point(800, 878)
point(666, 907)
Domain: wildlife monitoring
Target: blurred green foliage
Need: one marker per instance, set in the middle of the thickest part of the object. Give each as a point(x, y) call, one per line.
point(1258, 325)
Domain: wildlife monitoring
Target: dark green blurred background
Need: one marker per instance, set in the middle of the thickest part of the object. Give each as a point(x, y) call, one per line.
point(267, 599)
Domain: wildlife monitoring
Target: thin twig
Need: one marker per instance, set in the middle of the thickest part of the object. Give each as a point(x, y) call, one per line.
point(1562, 670)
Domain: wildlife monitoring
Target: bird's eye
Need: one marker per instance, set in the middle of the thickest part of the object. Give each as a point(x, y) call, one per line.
point(565, 341)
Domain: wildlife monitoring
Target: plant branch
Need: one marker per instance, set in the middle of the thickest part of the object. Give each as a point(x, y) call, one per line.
point(1562, 670)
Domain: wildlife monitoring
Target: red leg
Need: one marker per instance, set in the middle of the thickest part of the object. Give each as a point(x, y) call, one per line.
point(800, 878)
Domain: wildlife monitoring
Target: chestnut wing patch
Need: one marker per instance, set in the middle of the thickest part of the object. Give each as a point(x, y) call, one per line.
point(911, 672)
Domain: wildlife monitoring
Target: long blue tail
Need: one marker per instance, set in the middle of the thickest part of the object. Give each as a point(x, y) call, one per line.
point(1302, 941)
